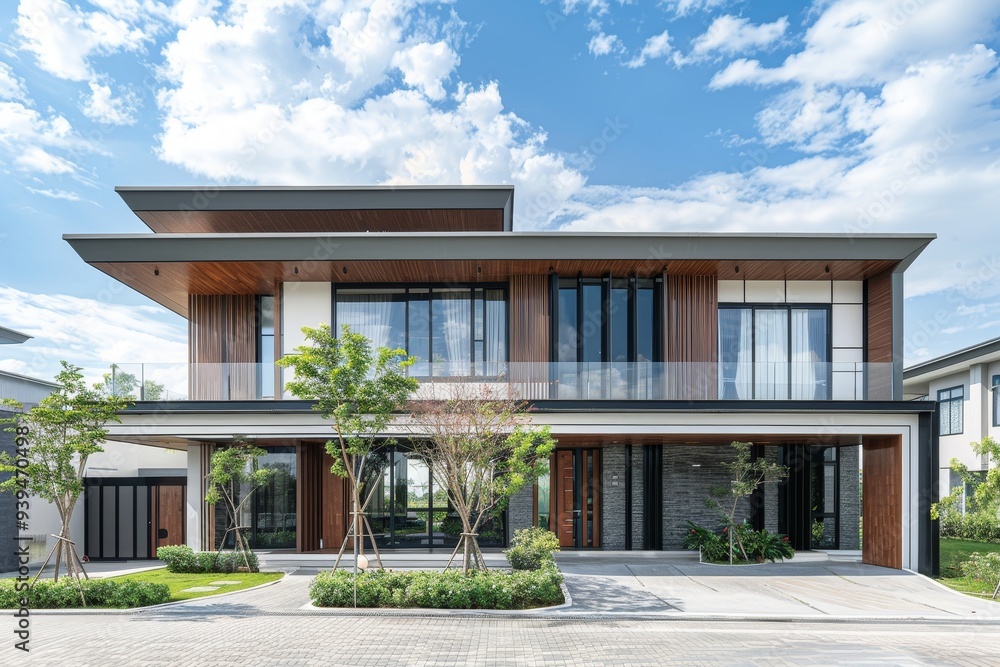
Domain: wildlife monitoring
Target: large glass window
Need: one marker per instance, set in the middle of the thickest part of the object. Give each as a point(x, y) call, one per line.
point(451, 331)
point(952, 402)
point(265, 310)
point(603, 327)
point(774, 352)
point(995, 388)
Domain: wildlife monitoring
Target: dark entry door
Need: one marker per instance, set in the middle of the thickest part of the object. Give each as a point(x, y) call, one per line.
point(576, 475)
point(129, 517)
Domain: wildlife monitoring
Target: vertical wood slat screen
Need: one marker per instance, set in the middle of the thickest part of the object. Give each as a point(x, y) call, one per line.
point(690, 336)
point(882, 500)
point(308, 496)
point(878, 306)
point(222, 346)
point(529, 335)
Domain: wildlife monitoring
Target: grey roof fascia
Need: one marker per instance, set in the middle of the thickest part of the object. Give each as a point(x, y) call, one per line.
point(487, 246)
point(28, 378)
point(954, 359)
point(315, 198)
point(11, 337)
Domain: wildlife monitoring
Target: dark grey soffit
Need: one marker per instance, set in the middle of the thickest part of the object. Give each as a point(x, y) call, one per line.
point(315, 198)
point(485, 246)
point(952, 359)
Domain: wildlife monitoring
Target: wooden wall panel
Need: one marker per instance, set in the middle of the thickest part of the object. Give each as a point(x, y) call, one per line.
point(308, 496)
point(690, 336)
point(222, 345)
point(882, 501)
point(529, 334)
point(878, 334)
point(336, 505)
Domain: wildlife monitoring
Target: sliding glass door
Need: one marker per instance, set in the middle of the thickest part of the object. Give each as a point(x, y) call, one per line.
point(774, 352)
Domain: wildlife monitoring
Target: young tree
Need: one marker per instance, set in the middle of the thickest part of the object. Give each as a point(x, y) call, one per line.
point(985, 500)
point(233, 476)
point(358, 389)
point(747, 475)
point(482, 450)
point(64, 429)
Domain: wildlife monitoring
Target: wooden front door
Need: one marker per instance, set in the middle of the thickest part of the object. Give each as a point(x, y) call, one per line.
point(576, 494)
point(167, 516)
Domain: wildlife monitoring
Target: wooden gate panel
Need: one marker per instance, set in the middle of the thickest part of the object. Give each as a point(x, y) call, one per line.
point(882, 501)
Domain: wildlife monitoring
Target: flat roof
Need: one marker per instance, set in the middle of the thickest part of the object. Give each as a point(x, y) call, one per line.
point(11, 337)
point(235, 209)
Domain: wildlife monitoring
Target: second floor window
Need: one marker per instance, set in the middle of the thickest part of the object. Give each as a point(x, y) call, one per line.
point(774, 352)
point(450, 330)
point(952, 403)
point(995, 387)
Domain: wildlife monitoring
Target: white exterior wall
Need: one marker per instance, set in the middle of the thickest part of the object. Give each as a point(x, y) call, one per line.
point(847, 319)
point(302, 305)
point(194, 501)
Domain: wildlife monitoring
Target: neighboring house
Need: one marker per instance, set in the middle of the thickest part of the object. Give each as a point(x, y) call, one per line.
point(120, 465)
point(28, 391)
point(966, 385)
point(647, 354)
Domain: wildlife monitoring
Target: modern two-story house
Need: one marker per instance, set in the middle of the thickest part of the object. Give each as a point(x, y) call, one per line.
point(647, 354)
point(966, 384)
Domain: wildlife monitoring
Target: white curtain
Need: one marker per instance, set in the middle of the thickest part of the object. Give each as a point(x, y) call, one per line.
point(455, 313)
point(803, 371)
point(736, 353)
point(496, 332)
point(771, 354)
point(366, 314)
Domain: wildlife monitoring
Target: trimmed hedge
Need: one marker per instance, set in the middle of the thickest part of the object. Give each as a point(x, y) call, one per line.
point(113, 593)
point(450, 589)
point(532, 549)
point(975, 526)
point(183, 560)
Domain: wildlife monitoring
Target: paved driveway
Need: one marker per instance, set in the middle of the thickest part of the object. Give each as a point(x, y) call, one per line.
point(812, 585)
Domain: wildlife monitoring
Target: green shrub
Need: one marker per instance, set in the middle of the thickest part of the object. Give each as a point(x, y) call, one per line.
point(984, 567)
point(440, 590)
point(532, 549)
point(180, 559)
point(975, 526)
point(183, 560)
point(115, 593)
point(760, 545)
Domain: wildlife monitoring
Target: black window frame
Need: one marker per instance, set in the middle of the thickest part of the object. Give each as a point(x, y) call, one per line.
point(755, 306)
point(944, 424)
point(428, 289)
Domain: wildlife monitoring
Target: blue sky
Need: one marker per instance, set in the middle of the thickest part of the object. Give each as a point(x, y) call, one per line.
point(693, 115)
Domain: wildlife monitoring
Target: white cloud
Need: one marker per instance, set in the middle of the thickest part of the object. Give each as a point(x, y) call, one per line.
point(425, 66)
point(90, 333)
point(247, 100)
point(32, 142)
point(602, 44)
point(55, 194)
point(102, 106)
point(11, 86)
point(657, 46)
point(685, 7)
point(64, 38)
point(729, 35)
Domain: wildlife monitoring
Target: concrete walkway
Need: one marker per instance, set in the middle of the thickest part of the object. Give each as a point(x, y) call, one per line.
point(812, 585)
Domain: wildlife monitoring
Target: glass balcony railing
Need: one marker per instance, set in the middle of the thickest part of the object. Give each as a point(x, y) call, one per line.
point(540, 381)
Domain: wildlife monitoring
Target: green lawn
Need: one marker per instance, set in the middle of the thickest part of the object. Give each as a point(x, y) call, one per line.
point(953, 553)
point(180, 582)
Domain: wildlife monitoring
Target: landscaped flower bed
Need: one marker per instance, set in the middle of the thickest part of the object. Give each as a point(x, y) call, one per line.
point(493, 589)
point(758, 545)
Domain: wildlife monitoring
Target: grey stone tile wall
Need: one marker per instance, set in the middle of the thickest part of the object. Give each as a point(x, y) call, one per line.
point(613, 507)
point(850, 497)
point(521, 510)
point(771, 495)
point(637, 491)
point(685, 488)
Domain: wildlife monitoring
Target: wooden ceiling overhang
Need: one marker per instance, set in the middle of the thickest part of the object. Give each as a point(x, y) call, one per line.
point(169, 267)
point(238, 210)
